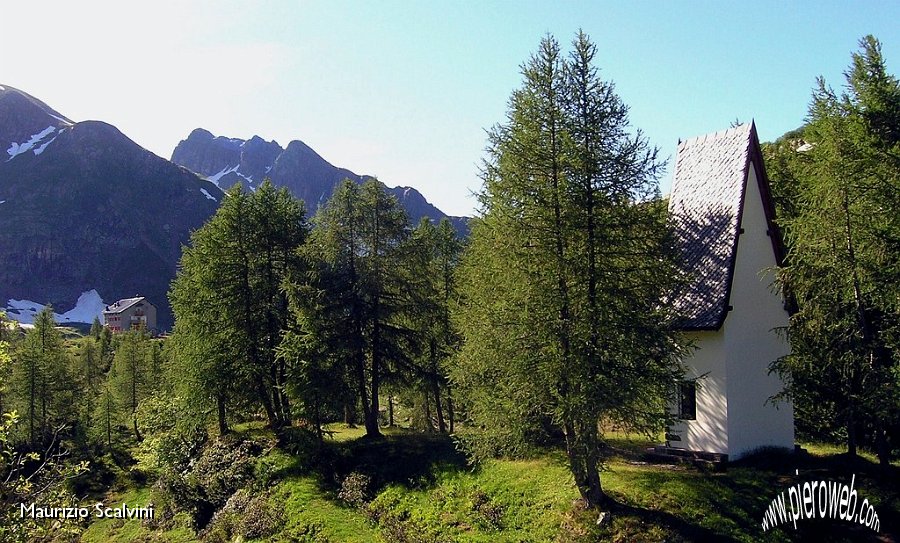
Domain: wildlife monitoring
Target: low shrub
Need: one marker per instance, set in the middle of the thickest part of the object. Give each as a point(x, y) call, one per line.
point(355, 489)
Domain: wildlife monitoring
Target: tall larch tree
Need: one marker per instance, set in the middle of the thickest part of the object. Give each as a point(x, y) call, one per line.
point(361, 289)
point(564, 277)
point(437, 249)
point(130, 375)
point(229, 306)
point(844, 263)
point(41, 380)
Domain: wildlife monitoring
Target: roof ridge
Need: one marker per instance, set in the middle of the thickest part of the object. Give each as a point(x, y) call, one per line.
point(121, 305)
point(718, 134)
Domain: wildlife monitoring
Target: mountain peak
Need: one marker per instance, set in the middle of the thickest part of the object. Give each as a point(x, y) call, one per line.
point(304, 172)
point(200, 134)
point(13, 99)
point(26, 123)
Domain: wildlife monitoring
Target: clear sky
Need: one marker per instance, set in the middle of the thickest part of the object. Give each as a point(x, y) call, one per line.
point(404, 90)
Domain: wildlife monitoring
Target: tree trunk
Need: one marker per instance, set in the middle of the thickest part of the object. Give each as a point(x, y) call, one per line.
point(43, 412)
point(285, 406)
point(317, 414)
point(372, 420)
point(363, 390)
point(32, 385)
point(450, 408)
point(349, 415)
point(442, 426)
point(288, 419)
point(583, 460)
point(137, 434)
point(319, 436)
point(274, 423)
point(275, 398)
point(223, 423)
point(108, 420)
point(429, 427)
point(372, 416)
point(391, 411)
point(881, 445)
point(851, 433)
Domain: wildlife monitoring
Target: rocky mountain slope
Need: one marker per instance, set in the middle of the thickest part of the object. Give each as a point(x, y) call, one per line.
point(83, 207)
point(226, 161)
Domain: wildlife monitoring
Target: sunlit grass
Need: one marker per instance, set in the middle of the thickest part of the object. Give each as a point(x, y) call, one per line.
point(832, 449)
point(128, 530)
point(424, 489)
point(311, 512)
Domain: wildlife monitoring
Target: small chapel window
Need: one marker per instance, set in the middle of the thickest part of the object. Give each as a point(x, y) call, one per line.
point(687, 400)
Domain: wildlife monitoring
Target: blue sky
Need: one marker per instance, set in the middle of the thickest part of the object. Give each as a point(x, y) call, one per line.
point(405, 90)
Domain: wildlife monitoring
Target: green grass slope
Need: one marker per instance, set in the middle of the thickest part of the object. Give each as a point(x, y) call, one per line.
point(418, 488)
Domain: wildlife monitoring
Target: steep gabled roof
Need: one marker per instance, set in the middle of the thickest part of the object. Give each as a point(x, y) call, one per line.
point(705, 209)
point(122, 305)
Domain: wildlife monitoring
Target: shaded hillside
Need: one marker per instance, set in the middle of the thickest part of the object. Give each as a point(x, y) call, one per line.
point(84, 207)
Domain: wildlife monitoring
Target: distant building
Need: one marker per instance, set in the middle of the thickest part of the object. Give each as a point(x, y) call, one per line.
point(130, 314)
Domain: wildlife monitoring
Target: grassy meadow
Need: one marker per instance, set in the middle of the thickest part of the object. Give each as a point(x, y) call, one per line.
point(414, 487)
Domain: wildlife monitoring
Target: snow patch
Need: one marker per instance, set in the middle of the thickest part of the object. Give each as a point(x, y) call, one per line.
point(16, 149)
point(2, 201)
point(208, 195)
point(248, 179)
point(43, 146)
point(226, 170)
point(89, 306)
point(66, 122)
point(2, 88)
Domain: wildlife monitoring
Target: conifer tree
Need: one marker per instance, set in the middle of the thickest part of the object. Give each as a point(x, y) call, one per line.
point(358, 309)
point(89, 375)
point(437, 249)
point(564, 276)
point(229, 306)
point(96, 329)
point(5, 361)
point(130, 377)
point(42, 381)
point(843, 266)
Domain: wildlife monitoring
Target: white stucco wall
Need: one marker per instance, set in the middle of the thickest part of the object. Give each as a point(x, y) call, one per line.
point(751, 342)
point(710, 431)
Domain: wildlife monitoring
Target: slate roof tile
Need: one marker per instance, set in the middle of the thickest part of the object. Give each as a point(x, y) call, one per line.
point(704, 210)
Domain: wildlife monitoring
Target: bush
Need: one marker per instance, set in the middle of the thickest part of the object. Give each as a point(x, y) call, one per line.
point(355, 489)
point(260, 518)
point(400, 521)
point(244, 515)
point(177, 495)
point(167, 444)
point(312, 532)
point(225, 466)
point(488, 513)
